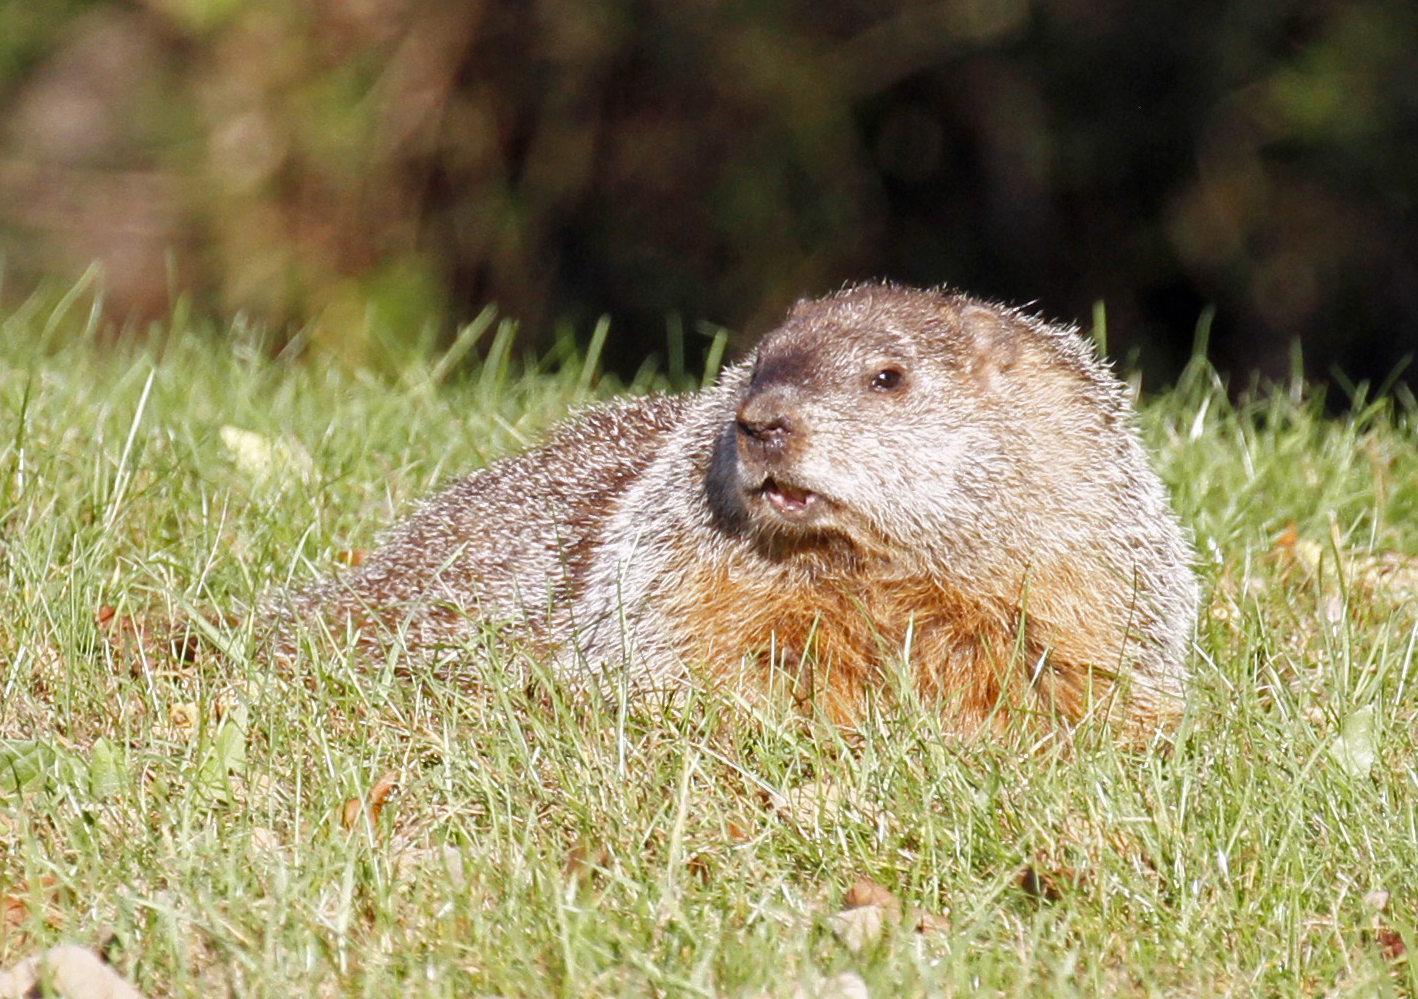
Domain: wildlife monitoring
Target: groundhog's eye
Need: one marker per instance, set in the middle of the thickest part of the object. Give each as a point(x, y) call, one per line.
point(888, 379)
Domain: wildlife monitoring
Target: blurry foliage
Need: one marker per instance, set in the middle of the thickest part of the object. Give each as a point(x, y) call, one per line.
point(376, 169)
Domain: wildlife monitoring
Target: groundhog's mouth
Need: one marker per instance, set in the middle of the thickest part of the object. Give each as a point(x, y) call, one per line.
point(792, 503)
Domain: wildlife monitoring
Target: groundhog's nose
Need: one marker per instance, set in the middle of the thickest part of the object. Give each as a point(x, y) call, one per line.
point(772, 430)
point(760, 420)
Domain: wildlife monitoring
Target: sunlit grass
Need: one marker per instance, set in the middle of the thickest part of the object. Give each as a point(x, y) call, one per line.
point(540, 845)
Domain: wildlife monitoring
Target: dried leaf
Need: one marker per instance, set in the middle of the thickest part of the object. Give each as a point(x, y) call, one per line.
point(930, 923)
point(865, 891)
point(13, 912)
point(15, 906)
point(858, 928)
point(1389, 941)
point(843, 985)
point(869, 909)
point(812, 805)
point(1376, 574)
point(263, 460)
point(356, 812)
point(265, 840)
point(1377, 899)
point(70, 971)
point(1393, 573)
point(1391, 944)
point(182, 717)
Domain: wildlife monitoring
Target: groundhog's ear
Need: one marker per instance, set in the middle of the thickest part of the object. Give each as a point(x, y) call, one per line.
point(992, 344)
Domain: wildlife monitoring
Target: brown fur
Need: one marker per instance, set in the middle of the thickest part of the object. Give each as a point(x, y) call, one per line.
point(837, 636)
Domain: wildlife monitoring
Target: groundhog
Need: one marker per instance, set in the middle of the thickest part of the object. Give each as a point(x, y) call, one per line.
point(895, 487)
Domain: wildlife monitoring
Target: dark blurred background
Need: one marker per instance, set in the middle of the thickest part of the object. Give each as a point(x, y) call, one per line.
point(367, 170)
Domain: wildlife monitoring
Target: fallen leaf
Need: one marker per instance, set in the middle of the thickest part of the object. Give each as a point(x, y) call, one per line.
point(182, 719)
point(1395, 573)
point(1377, 899)
point(139, 644)
point(858, 928)
point(265, 840)
point(843, 985)
point(358, 811)
point(869, 909)
point(1383, 573)
point(1389, 941)
point(13, 912)
point(812, 805)
point(1391, 944)
point(865, 891)
point(70, 971)
point(266, 461)
point(15, 905)
point(930, 923)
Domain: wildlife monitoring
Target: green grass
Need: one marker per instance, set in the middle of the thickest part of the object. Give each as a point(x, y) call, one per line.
point(538, 846)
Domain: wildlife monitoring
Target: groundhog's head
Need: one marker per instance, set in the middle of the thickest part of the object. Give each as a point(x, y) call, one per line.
point(905, 420)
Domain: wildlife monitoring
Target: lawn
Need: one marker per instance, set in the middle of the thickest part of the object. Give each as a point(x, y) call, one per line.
point(222, 827)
